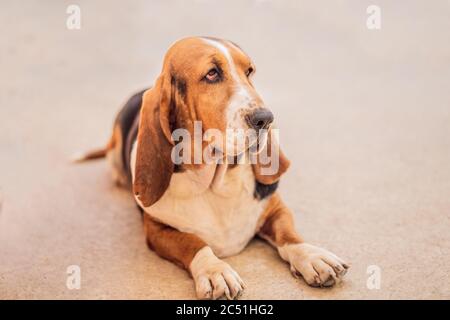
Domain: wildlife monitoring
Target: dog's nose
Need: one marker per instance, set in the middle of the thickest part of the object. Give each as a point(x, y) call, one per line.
point(260, 119)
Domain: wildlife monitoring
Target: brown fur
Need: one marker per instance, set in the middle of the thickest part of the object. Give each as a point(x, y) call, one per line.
point(277, 223)
point(284, 164)
point(154, 166)
point(171, 244)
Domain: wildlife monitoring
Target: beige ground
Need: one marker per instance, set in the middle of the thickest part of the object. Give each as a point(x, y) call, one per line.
point(364, 117)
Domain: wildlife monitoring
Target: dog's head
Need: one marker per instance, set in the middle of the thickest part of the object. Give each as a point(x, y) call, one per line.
point(204, 80)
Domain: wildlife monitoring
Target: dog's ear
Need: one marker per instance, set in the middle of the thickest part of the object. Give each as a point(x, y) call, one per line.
point(154, 166)
point(271, 162)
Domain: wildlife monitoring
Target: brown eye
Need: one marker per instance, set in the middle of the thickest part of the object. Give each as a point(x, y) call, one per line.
point(249, 72)
point(212, 75)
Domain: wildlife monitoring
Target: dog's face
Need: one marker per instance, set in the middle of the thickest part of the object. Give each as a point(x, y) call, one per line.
point(212, 79)
point(203, 80)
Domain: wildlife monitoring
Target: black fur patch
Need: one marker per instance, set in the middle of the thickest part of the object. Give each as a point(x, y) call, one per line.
point(126, 119)
point(178, 168)
point(264, 190)
point(131, 138)
point(180, 86)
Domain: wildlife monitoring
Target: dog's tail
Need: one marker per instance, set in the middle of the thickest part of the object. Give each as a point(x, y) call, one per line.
point(93, 154)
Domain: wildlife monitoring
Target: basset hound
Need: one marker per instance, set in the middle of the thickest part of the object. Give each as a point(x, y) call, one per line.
point(196, 213)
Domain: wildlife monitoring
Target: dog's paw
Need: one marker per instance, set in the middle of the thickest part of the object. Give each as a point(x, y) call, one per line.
point(214, 278)
point(319, 267)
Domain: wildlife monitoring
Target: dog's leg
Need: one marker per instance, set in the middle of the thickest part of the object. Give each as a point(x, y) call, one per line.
point(213, 277)
point(317, 266)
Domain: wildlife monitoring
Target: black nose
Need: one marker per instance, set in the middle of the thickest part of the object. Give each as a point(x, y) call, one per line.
point(260, 119)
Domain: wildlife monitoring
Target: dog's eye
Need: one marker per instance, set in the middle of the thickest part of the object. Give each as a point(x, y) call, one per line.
point(212, 75)
point(249, 71)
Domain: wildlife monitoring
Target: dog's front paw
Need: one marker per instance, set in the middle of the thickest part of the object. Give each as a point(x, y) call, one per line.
point(213, 277)
point(319, 267)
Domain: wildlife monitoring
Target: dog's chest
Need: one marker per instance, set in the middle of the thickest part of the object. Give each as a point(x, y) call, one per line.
point(226, 218)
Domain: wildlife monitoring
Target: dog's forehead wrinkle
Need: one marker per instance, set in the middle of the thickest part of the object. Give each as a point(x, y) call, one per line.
point(224, 50)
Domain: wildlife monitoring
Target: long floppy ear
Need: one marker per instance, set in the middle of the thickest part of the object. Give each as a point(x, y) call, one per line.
point(154, 166)
point(271, 162)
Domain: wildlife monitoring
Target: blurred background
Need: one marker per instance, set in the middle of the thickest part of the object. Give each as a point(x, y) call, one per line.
point(364, 116)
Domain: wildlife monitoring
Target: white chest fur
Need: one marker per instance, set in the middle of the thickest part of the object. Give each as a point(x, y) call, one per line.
point(225, 218)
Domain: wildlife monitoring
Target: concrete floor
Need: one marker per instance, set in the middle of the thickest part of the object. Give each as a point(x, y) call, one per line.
point(364, 118)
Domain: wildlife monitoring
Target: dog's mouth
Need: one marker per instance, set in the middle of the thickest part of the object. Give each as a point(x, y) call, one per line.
point(235, 141)
point(254, 143)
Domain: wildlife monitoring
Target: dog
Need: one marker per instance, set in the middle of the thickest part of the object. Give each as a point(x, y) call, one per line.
point(194, 214)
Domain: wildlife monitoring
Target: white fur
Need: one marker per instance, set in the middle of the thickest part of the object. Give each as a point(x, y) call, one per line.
point(78, 157)
point(317, 266)
point(213, 277)
point(225, 217)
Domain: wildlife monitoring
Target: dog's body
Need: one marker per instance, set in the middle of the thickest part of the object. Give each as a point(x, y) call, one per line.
point(226, 218)
point(194, 214)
